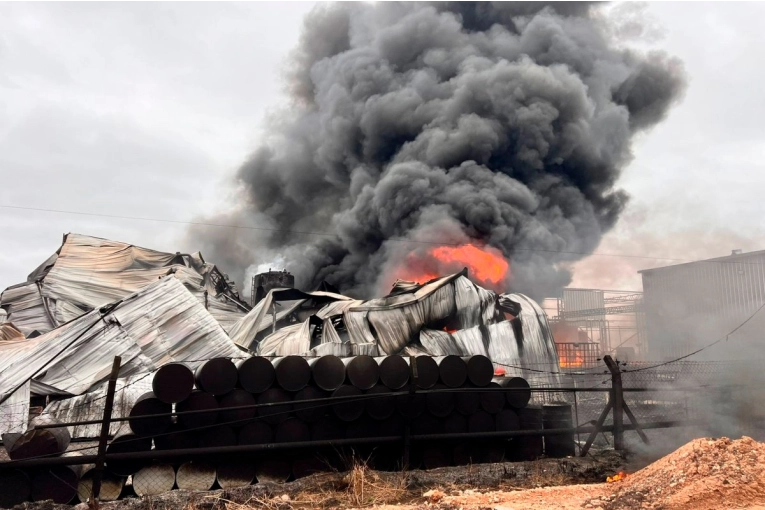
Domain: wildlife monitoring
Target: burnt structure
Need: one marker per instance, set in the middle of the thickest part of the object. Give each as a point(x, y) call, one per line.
point(262, 283)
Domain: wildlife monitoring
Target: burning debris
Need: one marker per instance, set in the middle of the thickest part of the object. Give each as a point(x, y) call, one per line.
point(64, 311)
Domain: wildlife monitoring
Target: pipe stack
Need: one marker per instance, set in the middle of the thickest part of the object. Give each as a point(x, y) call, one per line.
point(223, 404)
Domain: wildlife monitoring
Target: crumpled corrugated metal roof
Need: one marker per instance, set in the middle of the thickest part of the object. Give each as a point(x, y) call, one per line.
point(88, 272)
point(9, 333)
point(250, 329)
point(162, 322)
point(90, 406)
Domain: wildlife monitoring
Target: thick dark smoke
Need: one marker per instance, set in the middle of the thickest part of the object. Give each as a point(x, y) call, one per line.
point(505, 124)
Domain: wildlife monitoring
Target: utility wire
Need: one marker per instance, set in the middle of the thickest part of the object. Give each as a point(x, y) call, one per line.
point(326, 234)
point(703, 348)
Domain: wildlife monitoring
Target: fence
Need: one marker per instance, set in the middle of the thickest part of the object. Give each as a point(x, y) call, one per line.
point(648, 396)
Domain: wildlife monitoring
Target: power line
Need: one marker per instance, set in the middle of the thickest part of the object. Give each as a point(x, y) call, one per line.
point(703, 348)
point(326, 234)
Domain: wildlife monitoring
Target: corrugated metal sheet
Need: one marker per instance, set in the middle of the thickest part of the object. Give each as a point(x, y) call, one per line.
point(14, 412)
point(294, 339)
point(439, 343)
point(161, 323)
point(9, 333)
point(247, 331)
point(575, 300)
point(88, 272)
point(25, 308)
point(691, 305)
point(538, 347)
point(90, 406)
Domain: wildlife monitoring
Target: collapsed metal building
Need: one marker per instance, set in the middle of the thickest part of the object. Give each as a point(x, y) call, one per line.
point(95, 299)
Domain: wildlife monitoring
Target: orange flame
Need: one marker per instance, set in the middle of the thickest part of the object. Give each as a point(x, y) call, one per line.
point(618, 477)
point(575, 361)
point(485, 264)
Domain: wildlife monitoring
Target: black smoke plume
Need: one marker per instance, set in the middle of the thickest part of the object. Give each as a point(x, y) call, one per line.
point(504, 124)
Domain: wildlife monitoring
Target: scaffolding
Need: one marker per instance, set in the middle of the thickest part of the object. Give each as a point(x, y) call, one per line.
point(589, 323)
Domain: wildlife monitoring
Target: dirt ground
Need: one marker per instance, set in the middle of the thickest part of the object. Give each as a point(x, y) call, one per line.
point(704, 474)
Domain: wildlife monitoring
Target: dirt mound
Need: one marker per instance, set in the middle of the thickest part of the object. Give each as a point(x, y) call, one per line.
point(703, 474)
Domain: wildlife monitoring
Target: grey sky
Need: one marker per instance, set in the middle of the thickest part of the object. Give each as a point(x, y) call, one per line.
point(140, 109)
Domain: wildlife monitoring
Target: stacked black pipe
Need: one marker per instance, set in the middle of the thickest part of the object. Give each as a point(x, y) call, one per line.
point(252, 402)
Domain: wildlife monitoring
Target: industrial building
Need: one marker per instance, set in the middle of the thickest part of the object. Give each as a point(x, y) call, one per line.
point(688, 306)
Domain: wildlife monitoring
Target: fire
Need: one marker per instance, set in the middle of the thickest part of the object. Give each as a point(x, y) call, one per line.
point(576, 361)
point(618, 477)
point(485, 264)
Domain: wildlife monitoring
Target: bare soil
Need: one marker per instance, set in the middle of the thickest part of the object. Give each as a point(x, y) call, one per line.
point(704, 474)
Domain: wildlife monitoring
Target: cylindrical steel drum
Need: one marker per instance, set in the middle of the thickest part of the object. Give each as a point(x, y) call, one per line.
point(111, 486)
point(394, 371)
point(467, 402)
point(220, 435)
point(481, 421)
point(455, 423)
point(382, 406)
point(507, 420)
point(274, 469)
point(40, 442)
point(480, 369)
point(529, 447)
point(237, 398)
point(127, 443)
point(148, 404)
point(427, 371)
point(327, 372)
point(292, 430)
point(292, 372)
point(15, 488)
point(492, 401)
point(256, 374)
point(326, 429)
point(311, 412)
point(558, 416)
point(393, 426)
point(176, 438)
point(308, 465)
point(363, 371)
point(363, 428)
point(198, 401)
point(452, 370)
point(236, 473)
point(275, 414)
point(195, 476)
point(173, 382)
point(427, 424)
point(521, 394)
point(411, 405)
point(57, 483)
point(217, 376)
point(352, 409)
point(440, 403)
point(256, 432)
point(154, 480)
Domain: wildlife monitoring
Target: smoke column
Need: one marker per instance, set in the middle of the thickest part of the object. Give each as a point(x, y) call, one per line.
point(500, 125)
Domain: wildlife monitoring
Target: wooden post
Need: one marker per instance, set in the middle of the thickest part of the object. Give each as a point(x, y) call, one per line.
point(105, 423)
point(617, 399)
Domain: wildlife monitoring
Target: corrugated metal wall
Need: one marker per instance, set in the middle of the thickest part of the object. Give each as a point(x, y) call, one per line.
point(691, 305)
point(583, 299)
